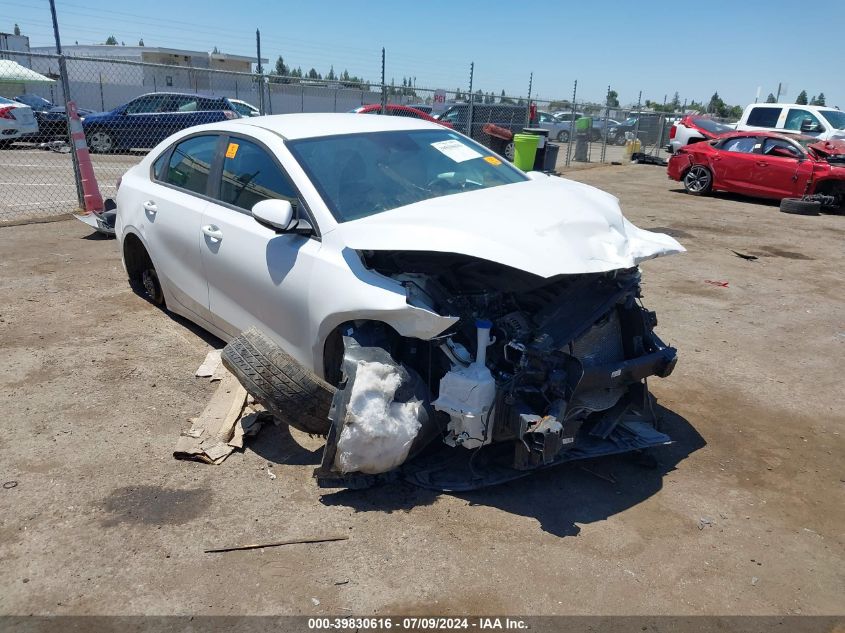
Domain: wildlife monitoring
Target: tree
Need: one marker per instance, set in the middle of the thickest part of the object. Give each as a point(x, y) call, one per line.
point(17, 30)
point(771, 98)
point(820, 99)
point(676, 102)
point(479, 96)
point(612, 99)
point(716, 105)
point(280, 72)
point(313, 74)
point(141, 42)
point(801, 99)
point(505, 100)
point(331, 76)
point(111, 41)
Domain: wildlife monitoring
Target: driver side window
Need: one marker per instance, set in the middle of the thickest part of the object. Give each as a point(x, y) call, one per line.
point(251, 175)
point(771, 144)
point(143, 105)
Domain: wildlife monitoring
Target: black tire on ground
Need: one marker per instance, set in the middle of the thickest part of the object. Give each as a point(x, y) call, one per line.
point(5, 144)
point(100, 141)
point(142, 275)
point(563, 136)
point(283, 386)
point(797, 206)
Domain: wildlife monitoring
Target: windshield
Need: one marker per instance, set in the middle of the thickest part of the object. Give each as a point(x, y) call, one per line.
point(835, 117)
point(714, 127)
point(359, 175)
point(5, 100)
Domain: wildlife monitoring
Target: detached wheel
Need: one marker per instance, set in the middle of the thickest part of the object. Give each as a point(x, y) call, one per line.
point(100, 142)
point(274, 378)
point(509, 151)
point(698, 181)
point(797, 206)
point(563, 136)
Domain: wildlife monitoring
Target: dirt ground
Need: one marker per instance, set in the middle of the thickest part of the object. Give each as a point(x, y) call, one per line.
point(743, 515)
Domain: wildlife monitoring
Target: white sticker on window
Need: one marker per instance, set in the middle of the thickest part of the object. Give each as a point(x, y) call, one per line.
point(456, 150)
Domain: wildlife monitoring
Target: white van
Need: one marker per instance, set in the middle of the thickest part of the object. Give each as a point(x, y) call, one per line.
point(819, 121)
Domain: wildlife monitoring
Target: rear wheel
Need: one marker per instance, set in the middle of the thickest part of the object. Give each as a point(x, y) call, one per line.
point(509, 151)
point(797, 206)
point(142, 274)
point(698, 180)
point(563, 136)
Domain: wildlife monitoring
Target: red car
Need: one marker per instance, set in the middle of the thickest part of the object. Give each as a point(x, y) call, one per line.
point(764, 165)
point(400, 110)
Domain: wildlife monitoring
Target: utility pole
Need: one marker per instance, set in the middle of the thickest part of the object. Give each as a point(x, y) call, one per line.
point(530, 84)
point(260, 72)
point(66, 90)
point(777, 97)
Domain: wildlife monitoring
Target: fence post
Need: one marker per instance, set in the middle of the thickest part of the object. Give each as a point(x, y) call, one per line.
point(530, 84)
point(639, 114)
point(471, 100)
point(606, 125)
point(383, 87)
point(66, 90)
point(260, 72)
point(571, 124)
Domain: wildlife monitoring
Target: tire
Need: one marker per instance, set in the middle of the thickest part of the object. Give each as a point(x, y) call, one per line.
point(143, 277)
point(508, 152)
point(797, 206)
point(100, 141)
point(283, 386)
point(563, 136)
point(698, 180)
point(5, 144)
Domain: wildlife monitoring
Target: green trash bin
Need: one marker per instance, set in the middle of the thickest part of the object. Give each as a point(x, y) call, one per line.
point(524, 150)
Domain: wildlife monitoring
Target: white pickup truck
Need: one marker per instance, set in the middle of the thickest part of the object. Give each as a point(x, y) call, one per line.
point(822, 122)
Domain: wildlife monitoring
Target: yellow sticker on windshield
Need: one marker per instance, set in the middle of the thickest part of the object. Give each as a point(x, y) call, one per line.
point(232, 150)
point(492, 160)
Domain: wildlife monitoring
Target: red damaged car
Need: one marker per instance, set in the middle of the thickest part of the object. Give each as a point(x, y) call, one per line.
point(392, 109)
point(804, 173)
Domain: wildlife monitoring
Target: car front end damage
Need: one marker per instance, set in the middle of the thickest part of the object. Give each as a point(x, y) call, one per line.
point(536, 371)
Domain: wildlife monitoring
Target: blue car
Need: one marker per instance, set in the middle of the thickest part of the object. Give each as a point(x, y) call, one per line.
point(146, 121)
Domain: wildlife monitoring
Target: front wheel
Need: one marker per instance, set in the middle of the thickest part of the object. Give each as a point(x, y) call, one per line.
point(100, 141)
point(698, 180)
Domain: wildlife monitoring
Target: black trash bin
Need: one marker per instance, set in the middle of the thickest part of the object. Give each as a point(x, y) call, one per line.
point(550, 161)
point(540, 156)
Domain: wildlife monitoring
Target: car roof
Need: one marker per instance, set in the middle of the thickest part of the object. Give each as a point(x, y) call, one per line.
point(764, 133)
point(182, 94)
point(296, 126)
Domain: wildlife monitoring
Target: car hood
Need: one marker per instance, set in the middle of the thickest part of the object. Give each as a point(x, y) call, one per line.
point(832, 147)
point(548, 226)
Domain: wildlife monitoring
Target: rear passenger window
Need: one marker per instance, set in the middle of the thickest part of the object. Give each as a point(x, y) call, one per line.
point(764, 117)
point(250, 175)
point(190, 163)
point(794, 119)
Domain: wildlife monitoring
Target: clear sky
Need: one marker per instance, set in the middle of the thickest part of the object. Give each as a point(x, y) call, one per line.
point(657, 47)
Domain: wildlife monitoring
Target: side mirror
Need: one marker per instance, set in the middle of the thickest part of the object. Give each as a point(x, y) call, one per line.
point(808, 125)
point(274, 214)
point(536, 175)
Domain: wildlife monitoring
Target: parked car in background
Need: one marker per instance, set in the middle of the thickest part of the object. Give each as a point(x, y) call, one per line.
point(149, 119)
point(694, 128)
point(52, 119)
point(244, 109)
point(817, 121)
point(410, 269)
point(421, 107)
point(763, 165)
point(392, 109)
point(567, 115)
point(17, 121)
point(508, 118)
point(558, 130)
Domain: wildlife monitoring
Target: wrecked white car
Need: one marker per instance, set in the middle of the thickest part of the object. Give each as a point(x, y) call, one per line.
point(437, 313)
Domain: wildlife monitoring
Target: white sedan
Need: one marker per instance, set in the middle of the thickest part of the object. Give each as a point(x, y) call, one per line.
point(443, 290)
point(16, 121)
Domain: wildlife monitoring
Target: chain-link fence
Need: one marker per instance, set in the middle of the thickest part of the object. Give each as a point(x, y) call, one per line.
point(129, 107)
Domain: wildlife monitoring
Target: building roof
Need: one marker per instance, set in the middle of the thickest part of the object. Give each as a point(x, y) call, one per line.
point(108, 50)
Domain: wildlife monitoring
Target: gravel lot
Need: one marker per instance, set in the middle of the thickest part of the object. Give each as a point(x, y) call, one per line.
point(743, 515)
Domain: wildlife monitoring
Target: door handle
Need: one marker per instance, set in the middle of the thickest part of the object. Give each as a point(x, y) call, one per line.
point(150, 206)
point(212, 231)
point(762, 163)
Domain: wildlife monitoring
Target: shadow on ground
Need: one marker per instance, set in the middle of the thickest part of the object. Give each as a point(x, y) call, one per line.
point(559, 498)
